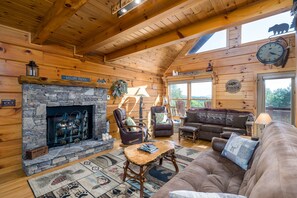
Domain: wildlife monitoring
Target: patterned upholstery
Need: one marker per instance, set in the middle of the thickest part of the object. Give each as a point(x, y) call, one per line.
point(212, 122)
point(233, 113)
point(216, 117)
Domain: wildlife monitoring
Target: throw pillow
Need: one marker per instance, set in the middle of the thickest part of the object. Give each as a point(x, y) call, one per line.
point(161, 118)
point(239, 150)
point(193, 194)
point(130, 122)
point(192, 116)
point(239, 121)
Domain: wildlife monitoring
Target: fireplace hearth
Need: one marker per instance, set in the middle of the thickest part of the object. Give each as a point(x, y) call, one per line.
point(69, 120)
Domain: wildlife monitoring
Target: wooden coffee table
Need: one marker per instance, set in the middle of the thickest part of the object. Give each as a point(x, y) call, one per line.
point(144, 159)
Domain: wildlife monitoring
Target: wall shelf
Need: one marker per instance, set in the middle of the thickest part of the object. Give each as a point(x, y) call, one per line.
point(189, 77)
point(47, 81)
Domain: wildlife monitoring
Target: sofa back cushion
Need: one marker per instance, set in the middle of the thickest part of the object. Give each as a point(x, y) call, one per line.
point(231, 114)
point(273, 171)
point(192, 116)
point(216, 116)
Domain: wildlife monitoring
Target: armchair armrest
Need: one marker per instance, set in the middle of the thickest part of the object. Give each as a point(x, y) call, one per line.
point(218, 144)
point(226, 134)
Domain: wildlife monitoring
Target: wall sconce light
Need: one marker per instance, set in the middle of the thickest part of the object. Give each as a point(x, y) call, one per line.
point(32, 69)
point(124, 6)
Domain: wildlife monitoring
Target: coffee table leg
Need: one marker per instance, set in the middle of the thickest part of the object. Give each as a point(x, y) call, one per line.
point(125, 170)
point(179, 134)
point(141, 180)
point(174, 162)
point(194, 137)
point(161, 161)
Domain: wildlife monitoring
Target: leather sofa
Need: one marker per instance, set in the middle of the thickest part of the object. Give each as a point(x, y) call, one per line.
point(212, 122)
point(272, 170)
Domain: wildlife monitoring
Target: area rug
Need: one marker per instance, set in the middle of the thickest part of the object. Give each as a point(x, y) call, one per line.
point(102, 177)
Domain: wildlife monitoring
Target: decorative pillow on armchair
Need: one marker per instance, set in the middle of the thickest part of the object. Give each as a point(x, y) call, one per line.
point(130, 122)
point(161, 118)
point(239, 150)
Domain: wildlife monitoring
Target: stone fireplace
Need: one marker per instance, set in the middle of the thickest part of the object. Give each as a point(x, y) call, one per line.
point(69, 120)
point(68, 124)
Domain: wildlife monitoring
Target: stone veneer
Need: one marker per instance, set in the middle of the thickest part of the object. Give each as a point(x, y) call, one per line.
point(35, 100)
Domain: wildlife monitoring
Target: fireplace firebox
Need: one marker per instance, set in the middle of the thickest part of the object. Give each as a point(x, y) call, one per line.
point(69, 124)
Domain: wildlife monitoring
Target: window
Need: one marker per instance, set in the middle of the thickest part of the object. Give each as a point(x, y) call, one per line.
point(210, 42)
point(264, 28)
point(201, 93)
point(275, 96)
point(194, 94)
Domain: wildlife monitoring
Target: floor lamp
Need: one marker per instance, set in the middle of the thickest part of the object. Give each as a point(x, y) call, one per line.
point(142, 93)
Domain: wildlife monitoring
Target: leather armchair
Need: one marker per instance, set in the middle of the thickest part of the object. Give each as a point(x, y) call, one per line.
point(129, 137)
point(161, 129)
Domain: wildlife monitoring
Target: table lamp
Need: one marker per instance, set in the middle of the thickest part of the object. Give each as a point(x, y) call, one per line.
point(142, 93)
point(262, 120)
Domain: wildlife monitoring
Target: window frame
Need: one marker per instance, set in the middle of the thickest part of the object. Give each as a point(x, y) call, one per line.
point(213, 50)
point(189, 98)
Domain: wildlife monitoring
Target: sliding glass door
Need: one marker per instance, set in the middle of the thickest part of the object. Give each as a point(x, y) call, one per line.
point(275, 96)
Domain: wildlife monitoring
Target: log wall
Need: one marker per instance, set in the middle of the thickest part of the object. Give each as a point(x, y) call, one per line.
point(237, 61)
point(54, 61)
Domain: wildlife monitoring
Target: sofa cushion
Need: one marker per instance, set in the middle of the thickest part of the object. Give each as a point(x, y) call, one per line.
point(193, 194)
point(239, 150)
point(239, 121)
point(216, 116)
point(273, 171)
point(192, 116)
point(212, 128)
point(236, 130)
point(231, 114)
point(201, 115)
point(167, 126)
point(193, 124)
point(209, 172)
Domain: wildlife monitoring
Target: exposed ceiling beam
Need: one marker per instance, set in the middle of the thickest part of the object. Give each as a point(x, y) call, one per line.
point(146, 14)
point(58, 14)
point(241, 15)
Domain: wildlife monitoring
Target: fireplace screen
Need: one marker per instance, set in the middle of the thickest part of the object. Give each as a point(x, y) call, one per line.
point(68, 124)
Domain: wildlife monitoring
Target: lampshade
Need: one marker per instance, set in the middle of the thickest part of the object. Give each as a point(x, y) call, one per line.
point(142, 92)
point(263, 118)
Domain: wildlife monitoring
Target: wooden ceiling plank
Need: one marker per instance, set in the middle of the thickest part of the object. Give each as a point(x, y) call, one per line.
point(242, 15)
point(138, 18)
point(58, 14)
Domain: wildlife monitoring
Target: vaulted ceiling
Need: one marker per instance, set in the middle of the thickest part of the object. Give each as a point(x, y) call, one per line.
point(150, 36)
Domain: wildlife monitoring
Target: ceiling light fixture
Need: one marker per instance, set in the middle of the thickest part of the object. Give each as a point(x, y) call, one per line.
point(124, 6)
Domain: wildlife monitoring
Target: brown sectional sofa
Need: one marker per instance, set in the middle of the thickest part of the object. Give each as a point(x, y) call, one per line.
point(212, 122)
point(272, 172)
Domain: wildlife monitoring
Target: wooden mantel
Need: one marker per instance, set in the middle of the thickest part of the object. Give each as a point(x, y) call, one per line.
point(47, 81)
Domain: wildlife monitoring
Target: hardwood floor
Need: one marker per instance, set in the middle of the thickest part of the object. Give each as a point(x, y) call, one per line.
point(13, 182)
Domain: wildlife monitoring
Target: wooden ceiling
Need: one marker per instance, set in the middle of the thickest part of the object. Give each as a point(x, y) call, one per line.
point(149, 36)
